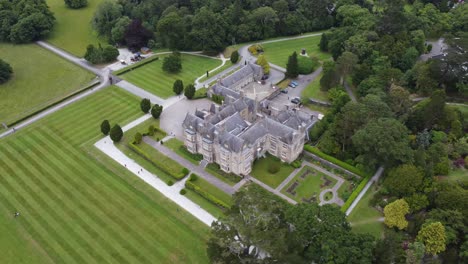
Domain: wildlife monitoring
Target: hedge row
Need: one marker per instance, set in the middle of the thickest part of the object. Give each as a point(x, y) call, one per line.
point(161, 165)
point(53, 104)
point(208, 196)
point(354, 194)
point(136, 65)
point(336, 161)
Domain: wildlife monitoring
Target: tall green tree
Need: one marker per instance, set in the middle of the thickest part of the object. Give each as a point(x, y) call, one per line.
point(116, 133)
point(172, 31)
point(172, 63)
point(383, 141)
point(235, 56)
point(145, 105)
point(261, 60)
point(105, 17)
point(432, 235)
point(178, 87)
point(105, 127)
point(345, 64)
point(404, 180)
point(5, 71)
point(395, 213)
point(292, 67)
point(156, 111)
point(208, 30)
point(189, 91)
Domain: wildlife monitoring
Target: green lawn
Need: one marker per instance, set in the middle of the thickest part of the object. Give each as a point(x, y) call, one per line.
point(211, 208)
point(313, 91)
point(224, 67)
point(260, 171)
point(309, 186)
point(178, 147)
point(77, 205)
point(278, 52)
point(72, 30)
point(40, 78)
point(153, 79)
point(364, 218)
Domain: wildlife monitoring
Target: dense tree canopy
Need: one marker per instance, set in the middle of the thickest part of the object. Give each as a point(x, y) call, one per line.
point(24, 21)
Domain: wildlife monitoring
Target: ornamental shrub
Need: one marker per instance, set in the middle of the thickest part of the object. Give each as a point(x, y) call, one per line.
point(145, 105)
point(193, 177)
point(156, 111)
point(105, 127)
point(170, 182)
point(235, 57)
point(5, 71)
point(185, 171)
point(183, 191)
point(116, 133)
point(151, 130)
point(138, 138)
point(75, 4)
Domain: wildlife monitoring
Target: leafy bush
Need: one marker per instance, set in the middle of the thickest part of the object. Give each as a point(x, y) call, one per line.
point(331, 159)
point(105, 127)
point(75, 4)
point(161, 164)
point(429, 48)
point(138, 138)
point(274, 167)
point(297, 163)
point(307, 65)
point(235, 56)
point(151, 130)
point(255, 49)
point(178, 87)
point(185, 171)
point(170, 182)
point(217, 98)
point(183, 191)
point(193, 177)
point(156, 111)
point(145, 105)
point(189, 91)
point(172, 63)
point(208, 196)
point(100, 54)
point(5, 71)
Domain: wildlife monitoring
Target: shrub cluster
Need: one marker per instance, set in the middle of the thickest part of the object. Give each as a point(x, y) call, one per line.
point(5, 71)
point(354, 194)
point(297, 163)
point(183, 191)
point(136, 65)
point(100, 54)
point(217, 98)
point(208, 196)
point(307, 65)
point(255, 49)
point(75, 4)
point(160, 164)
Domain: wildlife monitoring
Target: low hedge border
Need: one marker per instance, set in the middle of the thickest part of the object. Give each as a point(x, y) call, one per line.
point(354, 194)
point(136, 65)
point(53, 104)
point(160, 165)
point(336, 161)
point(208, 196)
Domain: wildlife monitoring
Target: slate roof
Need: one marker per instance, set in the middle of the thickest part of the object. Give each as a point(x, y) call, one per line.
point(242, 73)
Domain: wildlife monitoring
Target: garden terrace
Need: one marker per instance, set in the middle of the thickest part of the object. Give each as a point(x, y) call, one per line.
point(261, 172)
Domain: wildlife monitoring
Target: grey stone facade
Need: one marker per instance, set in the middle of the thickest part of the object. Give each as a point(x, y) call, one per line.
point(234, 134)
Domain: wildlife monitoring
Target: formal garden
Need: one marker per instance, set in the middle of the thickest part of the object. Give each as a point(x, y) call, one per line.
point(66, 190)
point(307, 185)
point(152, 78)
point(39, 79)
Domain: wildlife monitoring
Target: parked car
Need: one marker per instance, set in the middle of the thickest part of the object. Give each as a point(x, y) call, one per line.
point(266, 76)
point(292, 85)
point(285, 91)
point(295, 83)
point(296, 101)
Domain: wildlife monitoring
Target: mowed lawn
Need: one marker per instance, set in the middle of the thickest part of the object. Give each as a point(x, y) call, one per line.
point(260, 171)
point(313, 91)
point(153, 79)
point(278, 52)
point(79, 206)
point(72, 30)
point(39, 78)
point(364, 218)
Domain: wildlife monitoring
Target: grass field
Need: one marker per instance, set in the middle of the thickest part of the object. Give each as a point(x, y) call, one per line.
point(222, 68)
point(72, 30)
point(278, 52)
point(79, 206)
point(364, 218)
point(313, 91)
point(310, 185)
point(39, 79)
point(153, 79)
point(260, 171)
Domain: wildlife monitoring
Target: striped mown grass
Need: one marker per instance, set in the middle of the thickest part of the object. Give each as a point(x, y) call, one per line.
point(153, 79)
point(78, 206)
point(278, 52)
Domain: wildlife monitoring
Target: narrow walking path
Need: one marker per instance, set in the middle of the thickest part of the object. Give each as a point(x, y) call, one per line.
point(289, 178)
point(172, 192)
point(193, 168)
point(268, 188)
point(374, 178)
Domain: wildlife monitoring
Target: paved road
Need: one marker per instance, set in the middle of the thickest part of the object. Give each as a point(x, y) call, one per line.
point(171, 192)
point(193, 168)
point(374, 178)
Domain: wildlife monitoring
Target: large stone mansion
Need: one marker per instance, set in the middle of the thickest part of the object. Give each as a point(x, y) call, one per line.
point(243, 128)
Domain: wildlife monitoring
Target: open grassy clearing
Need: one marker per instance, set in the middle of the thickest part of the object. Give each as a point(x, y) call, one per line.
point(278, 52)
point(364, 218)
point(72, 30)
point(77, 205)
point(313, 91)
point(308, 183)
point(39, 78)
point(260, 171)
point(153, 79)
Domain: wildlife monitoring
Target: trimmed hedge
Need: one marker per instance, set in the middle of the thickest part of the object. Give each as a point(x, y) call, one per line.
point(136, 65)
point(354, 194)
point(183, 192)
point(161, 165)
point(208, 196)
point(334, 160)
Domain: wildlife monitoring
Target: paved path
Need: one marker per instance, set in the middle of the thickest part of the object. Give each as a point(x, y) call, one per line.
point(171, 192)
point(193, 168)
point(240, 184)
point(374, 178)
point(140, 92)
point(268, 188)
point(288, 179)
